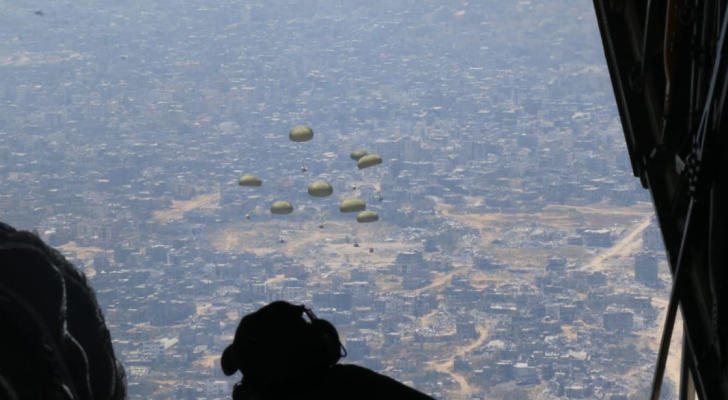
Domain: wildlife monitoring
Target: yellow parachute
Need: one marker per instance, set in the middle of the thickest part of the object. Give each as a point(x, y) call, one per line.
point(352, 205)
point(357, 154)
point(249, 180)
point(301, 133)
point(367, 216)
point(320, 189)
point(369, 160)
point(281, 207)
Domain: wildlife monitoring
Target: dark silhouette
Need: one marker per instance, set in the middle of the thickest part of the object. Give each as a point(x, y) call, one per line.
point(284, 356)
point(54, 342)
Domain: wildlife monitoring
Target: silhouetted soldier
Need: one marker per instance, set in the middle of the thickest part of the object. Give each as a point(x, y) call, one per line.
point(283, 356)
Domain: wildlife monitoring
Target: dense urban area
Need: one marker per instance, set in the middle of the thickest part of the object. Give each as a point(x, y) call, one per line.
point(515, 256)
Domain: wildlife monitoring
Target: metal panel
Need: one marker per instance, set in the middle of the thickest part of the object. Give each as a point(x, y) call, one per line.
point(667, 63)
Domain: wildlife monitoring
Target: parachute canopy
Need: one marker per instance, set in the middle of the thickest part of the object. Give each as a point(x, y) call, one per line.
point(320, 189)
point(369, 160)
point(367, 216)
point(357, 154)
point(352, 205)
point(301, 133)
point(281, 207)
point(249, 180)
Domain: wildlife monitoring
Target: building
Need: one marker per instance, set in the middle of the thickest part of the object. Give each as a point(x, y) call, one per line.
point(645, 269)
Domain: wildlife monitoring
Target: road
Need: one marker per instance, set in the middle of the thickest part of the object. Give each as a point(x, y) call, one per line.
point(446, 365)
point(625, 246)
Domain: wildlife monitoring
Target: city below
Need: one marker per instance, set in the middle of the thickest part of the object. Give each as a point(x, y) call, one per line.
point(515, 255)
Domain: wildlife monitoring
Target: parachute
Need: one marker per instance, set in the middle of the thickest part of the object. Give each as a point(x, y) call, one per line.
point(320, 189)
point(369, 160)
point(367, 216)
point(301, 133)
point(249, 180)
point(357, 154)
point(281, 207)
point(352, 205)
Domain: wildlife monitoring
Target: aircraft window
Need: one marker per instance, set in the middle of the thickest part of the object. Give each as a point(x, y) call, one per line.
point(446, 182)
